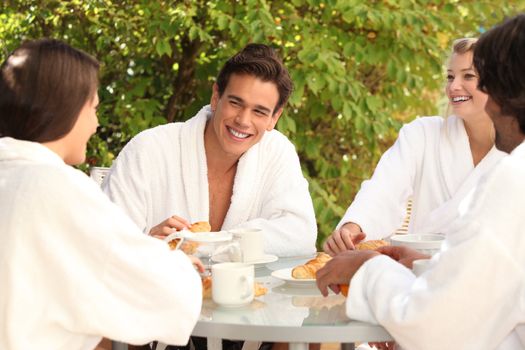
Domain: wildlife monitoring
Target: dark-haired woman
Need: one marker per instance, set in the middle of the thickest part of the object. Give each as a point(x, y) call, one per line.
point(73, 267)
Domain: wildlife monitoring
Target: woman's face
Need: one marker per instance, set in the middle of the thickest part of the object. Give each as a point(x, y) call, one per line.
point(462, 91)
point(85, 126)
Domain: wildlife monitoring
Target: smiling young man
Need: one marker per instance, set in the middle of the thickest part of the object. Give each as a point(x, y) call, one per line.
point(226, 165)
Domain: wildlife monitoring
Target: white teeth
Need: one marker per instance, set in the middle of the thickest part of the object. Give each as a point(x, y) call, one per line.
point(238, 134)
point(460, 98)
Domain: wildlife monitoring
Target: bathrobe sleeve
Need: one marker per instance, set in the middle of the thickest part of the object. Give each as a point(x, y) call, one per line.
point(380, 205)
point(104, 276)
point(285, 213)
point(472, 295)
point(128, 183)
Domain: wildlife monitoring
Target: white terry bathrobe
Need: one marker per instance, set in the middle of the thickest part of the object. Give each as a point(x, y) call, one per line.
point(74, 267)
point(431, 163)
point(163, 172)
point(472, 295)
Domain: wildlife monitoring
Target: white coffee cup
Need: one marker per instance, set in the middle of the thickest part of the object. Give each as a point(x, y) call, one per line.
point(250, 242)
point(232, 284)
point(98, 174)
point(420, 266)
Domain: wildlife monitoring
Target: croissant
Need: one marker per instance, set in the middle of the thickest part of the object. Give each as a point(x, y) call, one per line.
point(191, 247)
point(173, 243)
point(206, 287)
point(310, 268)
point(371, 245)
point(200, 226)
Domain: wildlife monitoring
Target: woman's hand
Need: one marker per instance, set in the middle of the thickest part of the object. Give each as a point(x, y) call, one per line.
point(345, 238)
point(166, 227)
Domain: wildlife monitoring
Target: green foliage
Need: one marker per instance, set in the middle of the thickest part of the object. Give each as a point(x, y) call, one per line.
point(360, 68)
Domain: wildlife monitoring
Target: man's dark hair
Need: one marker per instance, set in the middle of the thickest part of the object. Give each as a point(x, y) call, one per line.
point(262, 62)
point(499, 58)
point(43, 86)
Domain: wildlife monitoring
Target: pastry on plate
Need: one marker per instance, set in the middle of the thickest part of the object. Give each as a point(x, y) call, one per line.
point(200, 226)
point(310, 268)
point(191, 247)
point(371, 245)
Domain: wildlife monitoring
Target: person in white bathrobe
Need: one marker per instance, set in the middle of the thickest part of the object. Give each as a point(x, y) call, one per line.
point(73, 266)
point(226, 165)
point(434, 161)
point(471, 296)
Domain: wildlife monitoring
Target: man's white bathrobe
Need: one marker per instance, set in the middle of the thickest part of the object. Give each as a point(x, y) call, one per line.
point(431, 163)
point(163, 172)
point(473, 295)
point(74, 267)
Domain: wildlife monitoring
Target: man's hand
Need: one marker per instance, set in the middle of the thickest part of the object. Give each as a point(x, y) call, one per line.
point(341, 269)
point(403, 255)
point(166, 227)
point(197, 263)
point(345, 238)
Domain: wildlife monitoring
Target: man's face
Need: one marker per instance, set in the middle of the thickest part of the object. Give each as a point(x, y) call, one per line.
point(508, 132)
point(243, 113)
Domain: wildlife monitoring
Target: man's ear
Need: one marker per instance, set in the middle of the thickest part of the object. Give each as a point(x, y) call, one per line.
point(275, 119)
point(214, 101)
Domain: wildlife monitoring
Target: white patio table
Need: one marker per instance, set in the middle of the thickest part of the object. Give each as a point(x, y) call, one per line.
point(298, 315)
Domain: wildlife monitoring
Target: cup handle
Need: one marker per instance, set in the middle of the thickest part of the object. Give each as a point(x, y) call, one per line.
point(247, 287)
point(235, 252)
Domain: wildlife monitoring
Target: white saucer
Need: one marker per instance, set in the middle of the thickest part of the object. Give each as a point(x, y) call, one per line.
point(266, 259)
point(286, 275)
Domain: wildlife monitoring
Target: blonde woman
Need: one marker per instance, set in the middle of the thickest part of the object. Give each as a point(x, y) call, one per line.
point(434, 161)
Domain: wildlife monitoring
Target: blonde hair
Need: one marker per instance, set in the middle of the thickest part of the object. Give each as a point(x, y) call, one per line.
point(463, 45)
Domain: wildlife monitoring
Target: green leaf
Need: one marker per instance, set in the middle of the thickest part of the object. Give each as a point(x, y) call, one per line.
point(163, 47)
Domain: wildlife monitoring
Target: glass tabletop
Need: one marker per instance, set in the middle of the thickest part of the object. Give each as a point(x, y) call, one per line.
point(288, 312)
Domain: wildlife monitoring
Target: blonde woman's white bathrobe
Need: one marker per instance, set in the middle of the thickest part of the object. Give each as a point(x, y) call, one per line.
point(74, 267)
point(472, 296)
point(163, 172)
point(431, 163)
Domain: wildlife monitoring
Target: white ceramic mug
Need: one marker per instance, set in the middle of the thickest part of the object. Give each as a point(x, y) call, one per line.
point(420, 266)
point(250, 242)
point(98, 174)
point(232, 284)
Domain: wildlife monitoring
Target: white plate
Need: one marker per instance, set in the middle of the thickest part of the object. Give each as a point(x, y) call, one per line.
point(292, 289)
point(286, 275)
point(208, 237)
point(266, 259)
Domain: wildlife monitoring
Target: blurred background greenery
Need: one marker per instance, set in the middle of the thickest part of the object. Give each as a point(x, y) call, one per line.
point(360, 68)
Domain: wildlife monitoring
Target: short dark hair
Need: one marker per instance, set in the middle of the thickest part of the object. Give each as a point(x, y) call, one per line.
point(499, 58)
point(262, 62)
point(43, 86)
